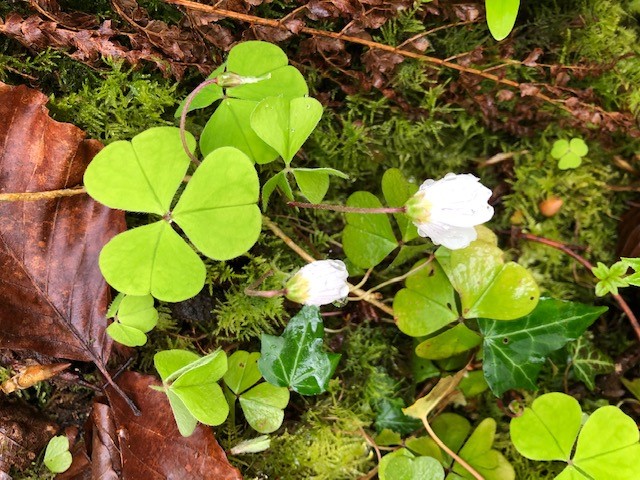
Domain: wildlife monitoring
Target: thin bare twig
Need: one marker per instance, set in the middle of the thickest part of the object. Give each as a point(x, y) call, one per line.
point(47, 195)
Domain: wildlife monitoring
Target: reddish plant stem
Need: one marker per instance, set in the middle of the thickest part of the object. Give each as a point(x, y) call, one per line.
point(346, 209)
point(565, 249)
point(183, 116)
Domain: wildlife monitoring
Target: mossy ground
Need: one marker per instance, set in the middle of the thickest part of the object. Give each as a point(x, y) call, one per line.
point(363, 135)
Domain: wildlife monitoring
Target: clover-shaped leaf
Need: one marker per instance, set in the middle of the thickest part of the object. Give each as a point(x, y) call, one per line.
point(218, 212)
point(57, 457)
point(285, 124)
point(297, 359)
point(427, 303)
point(133, 318)
point(230, 124)
point(610, 279)
point(607, 444)
point(569, 153)
point(262, 404)
point(191, 383)
point(397, 190)
point(487, 286)
point(449, 343)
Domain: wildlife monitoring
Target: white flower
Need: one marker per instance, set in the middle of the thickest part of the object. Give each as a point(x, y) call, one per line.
point(319, 283)
point(447, 210)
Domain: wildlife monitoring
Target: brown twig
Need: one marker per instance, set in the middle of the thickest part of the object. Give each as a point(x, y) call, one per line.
point(47, 195)
point(583, 261)
point(434, 61)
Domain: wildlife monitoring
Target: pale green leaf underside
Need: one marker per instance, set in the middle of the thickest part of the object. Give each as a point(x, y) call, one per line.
point(152, 259)
point(186, 422)
point(129, 336)
point(141, 175)
point(218, 210)
point(57, 457)
point(167, 362)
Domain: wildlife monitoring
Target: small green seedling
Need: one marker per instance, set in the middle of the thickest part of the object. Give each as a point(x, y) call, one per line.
point(262, 404)
point(132, 317)
point(569, 153)
point(57, 457)
point(297, 359)
point(191, 383)
point(607, 443)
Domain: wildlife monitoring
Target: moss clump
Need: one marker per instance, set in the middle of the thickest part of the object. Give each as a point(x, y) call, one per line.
point(121, 105)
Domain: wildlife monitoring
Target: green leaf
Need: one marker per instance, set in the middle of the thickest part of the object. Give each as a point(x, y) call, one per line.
point(424, 446)
point(633, 386)
point(452, 429)
point(427, 303)
point(422, 407)
point(57, 457)
point(141, 175)
point(129, 336)
point(477, 451)
point(263, 406)
point(152, 259)
point(501, 17)
point(285, 124)
point(387, 438)
point(452, 342)
point(186, 422)
point(138, 312)
point(367, 238)
point(278, 180)
point(168, 362)
point(547, 429)
point(229, 126)
point(569, 154)
point(559, 149)
point(383, 473)
point(579, 147)
point(473, 384)
point(218, 210)
point(405, 468)
point(514, 351)
point(607, 445)
point(397, 190)
point(243, 371)
point(314, 182)
point(487, 286)
point(610, 278)
point(569, 160)
point(390, 417)
point(422, 369)
point(297, 359)
point(207, 96)
point(588, 361)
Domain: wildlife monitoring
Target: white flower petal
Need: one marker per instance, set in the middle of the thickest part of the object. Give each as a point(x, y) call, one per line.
point(449, 236)
point(325, 282)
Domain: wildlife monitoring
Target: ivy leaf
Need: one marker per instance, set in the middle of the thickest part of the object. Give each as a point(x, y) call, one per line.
point(390, 417)
point(314, 182)
point(367, 239)
point(141, 175)
point(57, 457)
point(285, 124)
point(452, 342)
point(501, 17)
point(487, 286)
point(588, 361)
point(427, 303)
point(297, 359)
point(515, 351)
point(218, 209)
point(610, 278)
point(397, 190)
point(607, 444)
point(152, 259)
point(229, 126)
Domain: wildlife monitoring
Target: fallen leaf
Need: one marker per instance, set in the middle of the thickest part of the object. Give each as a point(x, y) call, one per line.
point(53, 298)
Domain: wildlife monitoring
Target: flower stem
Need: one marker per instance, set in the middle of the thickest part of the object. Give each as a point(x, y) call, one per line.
point(47, 195)
point(183, 116)
point(346, 209)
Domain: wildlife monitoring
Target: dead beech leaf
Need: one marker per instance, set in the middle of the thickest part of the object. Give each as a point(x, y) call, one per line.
point(53, 298)
point(438, 394)
point(149, 446)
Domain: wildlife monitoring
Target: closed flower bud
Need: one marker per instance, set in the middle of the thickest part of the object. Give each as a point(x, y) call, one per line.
point(319, 283)
point(447, 210)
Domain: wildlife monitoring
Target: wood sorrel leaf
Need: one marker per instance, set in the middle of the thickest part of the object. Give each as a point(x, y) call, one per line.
point(141, 175)
point(278, 180)
point(57, 457)
point(243, 371)
point(285, 124)
point(514, 351)
point(367, 238)
point(138, 312)
point(297, 359)
point(397, 190)
point(452, 342)
point(263, 406)
point(207, 96)
point(155, 260)
point(314, 182)
point(218, 209)
point(229, 127)
point(427, 303)
point(487, 286)
point(129, 336)
point(406, 468)
point(501, 17)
